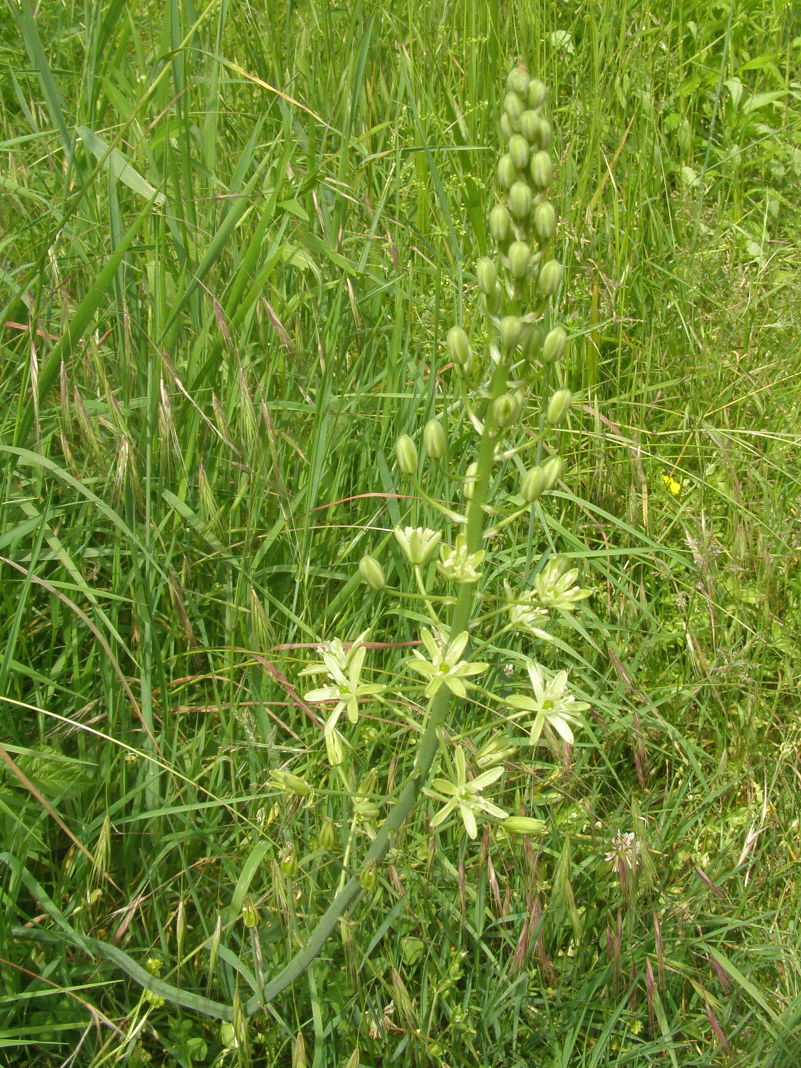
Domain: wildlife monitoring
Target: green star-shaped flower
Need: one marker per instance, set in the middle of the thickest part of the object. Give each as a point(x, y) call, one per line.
point(445, 667)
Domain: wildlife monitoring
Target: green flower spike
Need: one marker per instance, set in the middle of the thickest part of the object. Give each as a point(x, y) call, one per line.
point(445, 668)
point(553, 704)
point(463, 794)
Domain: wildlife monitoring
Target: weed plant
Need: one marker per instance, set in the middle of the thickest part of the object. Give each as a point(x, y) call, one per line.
point(234, 243)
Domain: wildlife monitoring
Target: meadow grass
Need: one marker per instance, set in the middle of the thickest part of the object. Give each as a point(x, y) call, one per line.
point(232, 241)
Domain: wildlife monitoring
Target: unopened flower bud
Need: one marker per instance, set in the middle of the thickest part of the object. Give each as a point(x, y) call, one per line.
point(250, 914)
point(558, 406)
point(507, 172)
point(536, 93)
point(494, 300)
point(519, 259)
point(514, 108)
point(550, 278)
point(469, 481)
point(553, 469)
point(434, 439)
point(533, 337)
point(288, 860)
point(500, 224)
point(523, 825)
point(544, 221)
point(335, 750)
point(533, 484)
point(517, 82)
point(486, 275)
point(368, 877)
point(510, 331)
point(531, 125)
point(553, 346)
point(458, 346)
point(541, 169)
point(519, 151)
point(407, 454)
point(372, 572)
point(506, 126)
point(327, 838)
point(520, 200)
point(505, 410)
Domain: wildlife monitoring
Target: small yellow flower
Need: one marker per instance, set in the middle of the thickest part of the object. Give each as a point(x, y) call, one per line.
point(672, 485)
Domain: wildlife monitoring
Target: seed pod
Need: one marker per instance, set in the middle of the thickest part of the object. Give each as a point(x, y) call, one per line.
point(544, 221)
point(519, 151)
point(553, 469)
point(486, 275)
point(458, 346)
point(434, 439)
point(514, 108)
point(510, 331)
point(541, 169)
point(507, 172)
point(372, 572)
point(533, 337)
point(519, 257)
point(533, 484)
point(494, 300)
point(554, 345)
point(558, 406)
point(288, 860)
point(500, 224)
point(407, 453)
point(517, 82)
point(520, 200)
point(368, 877)
point(550, 278)
point(505, 410)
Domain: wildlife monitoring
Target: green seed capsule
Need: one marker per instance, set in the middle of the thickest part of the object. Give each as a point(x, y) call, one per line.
point(510, 331)
point(507, 172)
point(541, 170)
point(505, 410)
point(500, 224)
point(519, 151)
point(558, 406)
point(372, 572)
point(525, 825)
point(520, 200)
point(517, 82)
point(506, 127)
point(288, 860)
point(407, 453)
point(550, 278)
point(459, 349)
point(327, 838)
point(434, 439)
point(533, 484)
point(553, 346)
point(553, 469)
point(544, 221)
point(486, 275)
point(536, 93)
point(514, 108)
point(519, 258)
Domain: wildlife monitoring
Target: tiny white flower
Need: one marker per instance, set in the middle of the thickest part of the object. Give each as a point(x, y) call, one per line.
point(445, 666)
point(418, 543)
point(552, 704)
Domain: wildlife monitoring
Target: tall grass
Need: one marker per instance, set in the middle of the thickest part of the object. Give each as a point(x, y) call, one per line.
point(232, 240)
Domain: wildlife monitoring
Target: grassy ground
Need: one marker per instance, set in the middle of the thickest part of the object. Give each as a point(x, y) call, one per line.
point(232, 240)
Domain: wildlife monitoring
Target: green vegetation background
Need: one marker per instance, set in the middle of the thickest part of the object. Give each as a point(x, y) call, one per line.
point(232, 239)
